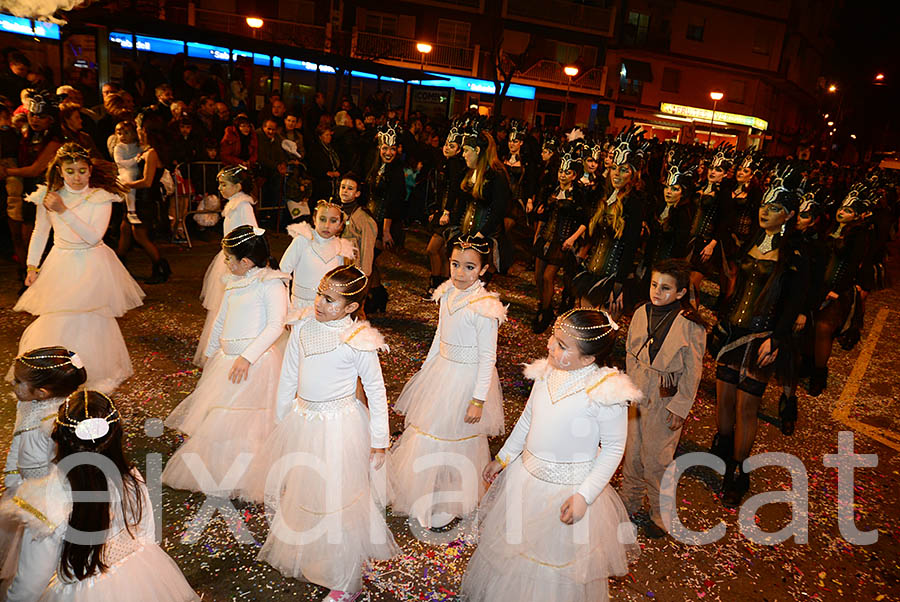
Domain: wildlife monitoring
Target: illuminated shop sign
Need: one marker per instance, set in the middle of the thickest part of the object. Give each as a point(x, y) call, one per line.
point(205, 51)
point(699, 114)
point(481, 86)
point(146, 43)
point(27, 27)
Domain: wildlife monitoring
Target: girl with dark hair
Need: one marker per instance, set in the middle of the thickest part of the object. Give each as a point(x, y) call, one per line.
point(753, 334)
point(148, 200)
point(548, 173)
point(664, 359)
point(75, 550)
point(550, 524)
point(321, 419)
point(454, 403)
point(81, 287)
point(238, 211)
point(671, 222)
point(232, 410)
point(43, 379)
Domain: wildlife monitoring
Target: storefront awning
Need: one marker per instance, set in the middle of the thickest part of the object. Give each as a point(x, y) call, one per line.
point(638, 70)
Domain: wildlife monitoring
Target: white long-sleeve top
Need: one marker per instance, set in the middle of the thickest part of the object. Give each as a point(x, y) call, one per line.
point(81, 226)
point(467, 328)
point(238, 211)
point(32, 450)
point(309, 257)
point(322, 362)
point(570, 413)
point(252, 314)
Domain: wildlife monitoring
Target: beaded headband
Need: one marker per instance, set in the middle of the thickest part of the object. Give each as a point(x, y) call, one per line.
point(232, 172)
point(69, 154)
point(338, 285)
point(233, 242)
point(574, 331)
point(89, 427)
point(479, 245)
point(73, 359)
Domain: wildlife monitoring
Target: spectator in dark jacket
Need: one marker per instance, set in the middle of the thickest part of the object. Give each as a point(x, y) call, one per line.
point(272, 161)
point(187, 149)
point(239, 144)
point(324, 165)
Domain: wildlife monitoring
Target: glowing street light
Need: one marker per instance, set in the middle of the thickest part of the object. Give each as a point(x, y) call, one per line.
point(716, 97)
point(832, 88)
point(830, 123)
point(879, 77)
point(254, 22)
point(826, 115)
point(570, 70)
point(853, 136)
point(423, 47)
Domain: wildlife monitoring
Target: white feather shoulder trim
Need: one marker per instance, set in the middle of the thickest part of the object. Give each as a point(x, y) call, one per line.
point(440, 290)
point(490, 306)
point(40, 504)
point(299, 316)
point(100, 196)
point(347, 249)
point(362, 336)
point(609, 386)
point(300, 229)
point(37, 197)
point(537, 370)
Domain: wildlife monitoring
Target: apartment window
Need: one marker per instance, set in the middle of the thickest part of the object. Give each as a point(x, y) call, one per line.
point(671, 80)
point(762, 41)
point(298, 11)
point(637, 25)
point(735, 92)
point(453, 33)
point(567, 53)
point(382, 23)
point(695, 29)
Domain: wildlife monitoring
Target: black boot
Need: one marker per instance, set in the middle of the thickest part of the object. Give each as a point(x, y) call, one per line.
point(432, 286)
point(723, 446)
point(733, 492)
point(156, 277)
point(377, 300)
point(544, 321)
point(817, 381)
point(787, 411)
point(166, 270)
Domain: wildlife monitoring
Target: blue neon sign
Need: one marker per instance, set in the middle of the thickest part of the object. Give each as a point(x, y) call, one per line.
point(481, 86)
point(27, 27)
point(205, 51)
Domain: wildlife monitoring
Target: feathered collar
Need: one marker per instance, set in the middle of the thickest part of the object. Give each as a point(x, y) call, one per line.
point(604, 386)
point(323, 337)
point(41, 504)
point(326, 248)
point(235, 200)
point(253, 275)
point(475, 297)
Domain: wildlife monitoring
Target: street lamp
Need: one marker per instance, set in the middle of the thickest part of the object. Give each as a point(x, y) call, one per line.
point(254, 22)
point(832, 88)
point(879, 79)
point(424, 48)
point(571, 71)
point(830, 123)
point(716, 97)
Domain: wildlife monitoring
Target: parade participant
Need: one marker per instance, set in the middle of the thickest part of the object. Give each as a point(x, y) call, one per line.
point(745, 197)
point(238, 211)
point(562, 220)
point(127, 563)
point(387, 204)
point(847, 248)
point(547, 174)
point(328, 520)
point(753, 333)
point(81, 287)
point(446, 190)
point(360, 228)
point(671, 221)
point(454, 403)
point(44, 377)
point(522, 174)
point(614, 230)
point(713, 221)
point(232, 410)
point(664, 360)
point(315, 251)
point(550, 524)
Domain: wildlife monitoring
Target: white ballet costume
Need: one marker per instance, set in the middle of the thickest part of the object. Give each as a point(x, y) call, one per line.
point(525, 552)
point(82, 287)
point(30, 455)
point(139, 570)
point(127, 157)
point(460, 366)
point(314, 472)
point(238, 211)
point(309, 257)
point(227, 423)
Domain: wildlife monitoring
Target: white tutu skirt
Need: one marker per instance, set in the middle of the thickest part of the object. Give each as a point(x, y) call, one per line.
point(148, 575)
point(94, 336)
point(328, 503)
point(200, 353)
point(226, 423)
point(538, 558)
point(213, 287)
point(82, 280)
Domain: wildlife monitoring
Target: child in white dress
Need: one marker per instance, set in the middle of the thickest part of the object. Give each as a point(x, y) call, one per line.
point(551, 527)
point(81, 287)
point(238, 211)
point(319, 469)
point(43, 379)
point(125, 563)
point(315, 251)
point(454, 403)
point(232, 411)
point(126, 154)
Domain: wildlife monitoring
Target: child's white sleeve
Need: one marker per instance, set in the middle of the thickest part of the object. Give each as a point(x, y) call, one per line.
point(486, 333)
point(213, 345)
point(287, 382)
point(246, 215)
point(276, 300)
point(38, 559)
point(515, 443)
point(92, 231)
point(613, 426)
point(120, 156)
point(13, 478)
point(292, 255)
point(39, 236)
point(369, 368)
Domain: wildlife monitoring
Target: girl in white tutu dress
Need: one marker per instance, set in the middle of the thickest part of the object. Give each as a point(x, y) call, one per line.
point(81, 287)
point(232, 411)
point(44, 377)
point(320, 469)
point(115, 555)
point(454, 403)
point(238, 211)
point(551, 528)
point(314, 252)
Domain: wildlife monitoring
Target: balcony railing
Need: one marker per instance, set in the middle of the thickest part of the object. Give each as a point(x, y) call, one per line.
point(273, 30)
point(551, 72)
point(378, 46)
point(563, 13)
